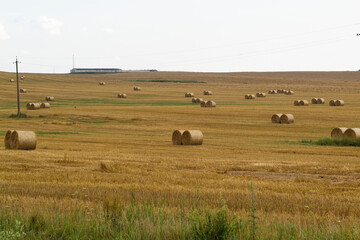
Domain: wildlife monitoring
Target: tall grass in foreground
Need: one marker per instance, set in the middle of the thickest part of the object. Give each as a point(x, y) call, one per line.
point(153, 221)
point(334, 142)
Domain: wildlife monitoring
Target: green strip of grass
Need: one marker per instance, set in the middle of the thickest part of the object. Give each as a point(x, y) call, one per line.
point(41, 133)
point(113, 102)
point(333, 142)
point(167, 81)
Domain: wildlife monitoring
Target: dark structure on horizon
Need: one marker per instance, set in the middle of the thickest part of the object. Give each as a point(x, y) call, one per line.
point(95, 70)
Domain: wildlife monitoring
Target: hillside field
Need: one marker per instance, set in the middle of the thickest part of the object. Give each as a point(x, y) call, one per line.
point(94, 148)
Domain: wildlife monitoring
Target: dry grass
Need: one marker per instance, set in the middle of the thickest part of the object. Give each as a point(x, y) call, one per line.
point(125, 147)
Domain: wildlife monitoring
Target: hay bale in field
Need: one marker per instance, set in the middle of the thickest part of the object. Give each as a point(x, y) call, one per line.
point(22, 77)
point(352, 133)
point(339, 103)
point(28, 106)
point(332, 103)
point(260, 95)
point(297, 102)
point(34, 106)
point(287, 119)
point(192, 137)
point(45, 105)
point(176, 137)
point(12, 80)
point(7, 139)
point(210, 104)
point(247, 96)
point(320, 101)
point(122, 95)
point(303, 103)
point(49, 98)
point(137, 88)
point(207, 92)
point(203, 104)
point(289, 92)
point(194, 100)
point(280, 91)
point(314, 101)
point(338, 132)
point(23, 90)
point(189, 94)
point(199, 100)
point(276, 118)
point(24, 140)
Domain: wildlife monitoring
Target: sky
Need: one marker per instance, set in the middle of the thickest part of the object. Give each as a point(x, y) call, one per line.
point(186, 35)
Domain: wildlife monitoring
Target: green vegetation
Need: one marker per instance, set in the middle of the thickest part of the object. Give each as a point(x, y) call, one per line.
point(333, 142)
point(152, 221)
point(40, 133)
point(22, 115)
point(167, 81)
point(113, 102)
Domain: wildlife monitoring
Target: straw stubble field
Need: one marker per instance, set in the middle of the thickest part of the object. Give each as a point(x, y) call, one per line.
point(94, 147)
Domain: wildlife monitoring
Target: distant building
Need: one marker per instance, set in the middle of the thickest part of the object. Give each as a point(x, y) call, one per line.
point(95, 70)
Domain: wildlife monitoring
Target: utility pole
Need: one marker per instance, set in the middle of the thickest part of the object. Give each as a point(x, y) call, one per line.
point(73, 61)
point(17, 84)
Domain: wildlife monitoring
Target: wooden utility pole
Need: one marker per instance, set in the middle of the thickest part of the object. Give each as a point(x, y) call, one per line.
point(17, 84)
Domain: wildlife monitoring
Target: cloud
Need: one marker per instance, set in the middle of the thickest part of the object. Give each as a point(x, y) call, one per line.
point(52, 25)
point(3, 33)
point(109, 30)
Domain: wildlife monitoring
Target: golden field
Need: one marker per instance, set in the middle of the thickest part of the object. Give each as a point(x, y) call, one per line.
point(93, 147)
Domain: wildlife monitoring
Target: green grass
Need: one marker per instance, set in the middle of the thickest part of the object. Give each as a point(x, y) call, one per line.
point(41, 133)
point(152, 221)
point(333, 142)
point(113, 102)
point(167, 81)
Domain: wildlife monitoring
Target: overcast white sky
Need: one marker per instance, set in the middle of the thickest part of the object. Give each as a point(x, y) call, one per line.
point(186, 35)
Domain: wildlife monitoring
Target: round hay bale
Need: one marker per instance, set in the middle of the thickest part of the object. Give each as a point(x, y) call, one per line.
point(270, 92)
point(34, 106)
point(176, 137)
point(320, 101)
point(12, 80)
point(24, 140)
point(314, 101)
point(258, 94)
point(122, 95)
point(22, 90)
point(194, 100)
point(209, 93)
point(352, 133)
point(276, 118)
point(289, 92)
point(199, 100)
point(332, 103)
point(280, 91)
point(303, 103)
point(296, 102)
point(49, 98)
point(189, 94)
point(251, 96)
point(28, 106)
point(287, 119)
point(7, 139)
point(137, 88)
point(247, 96)
point(203, 104)
point(339, 103)
point(22, 77)
point(210, 104)
point(45, 105)
point(192, 137)
point(338, 132)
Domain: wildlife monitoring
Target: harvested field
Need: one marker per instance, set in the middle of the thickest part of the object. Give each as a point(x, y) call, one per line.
point(122, 149)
